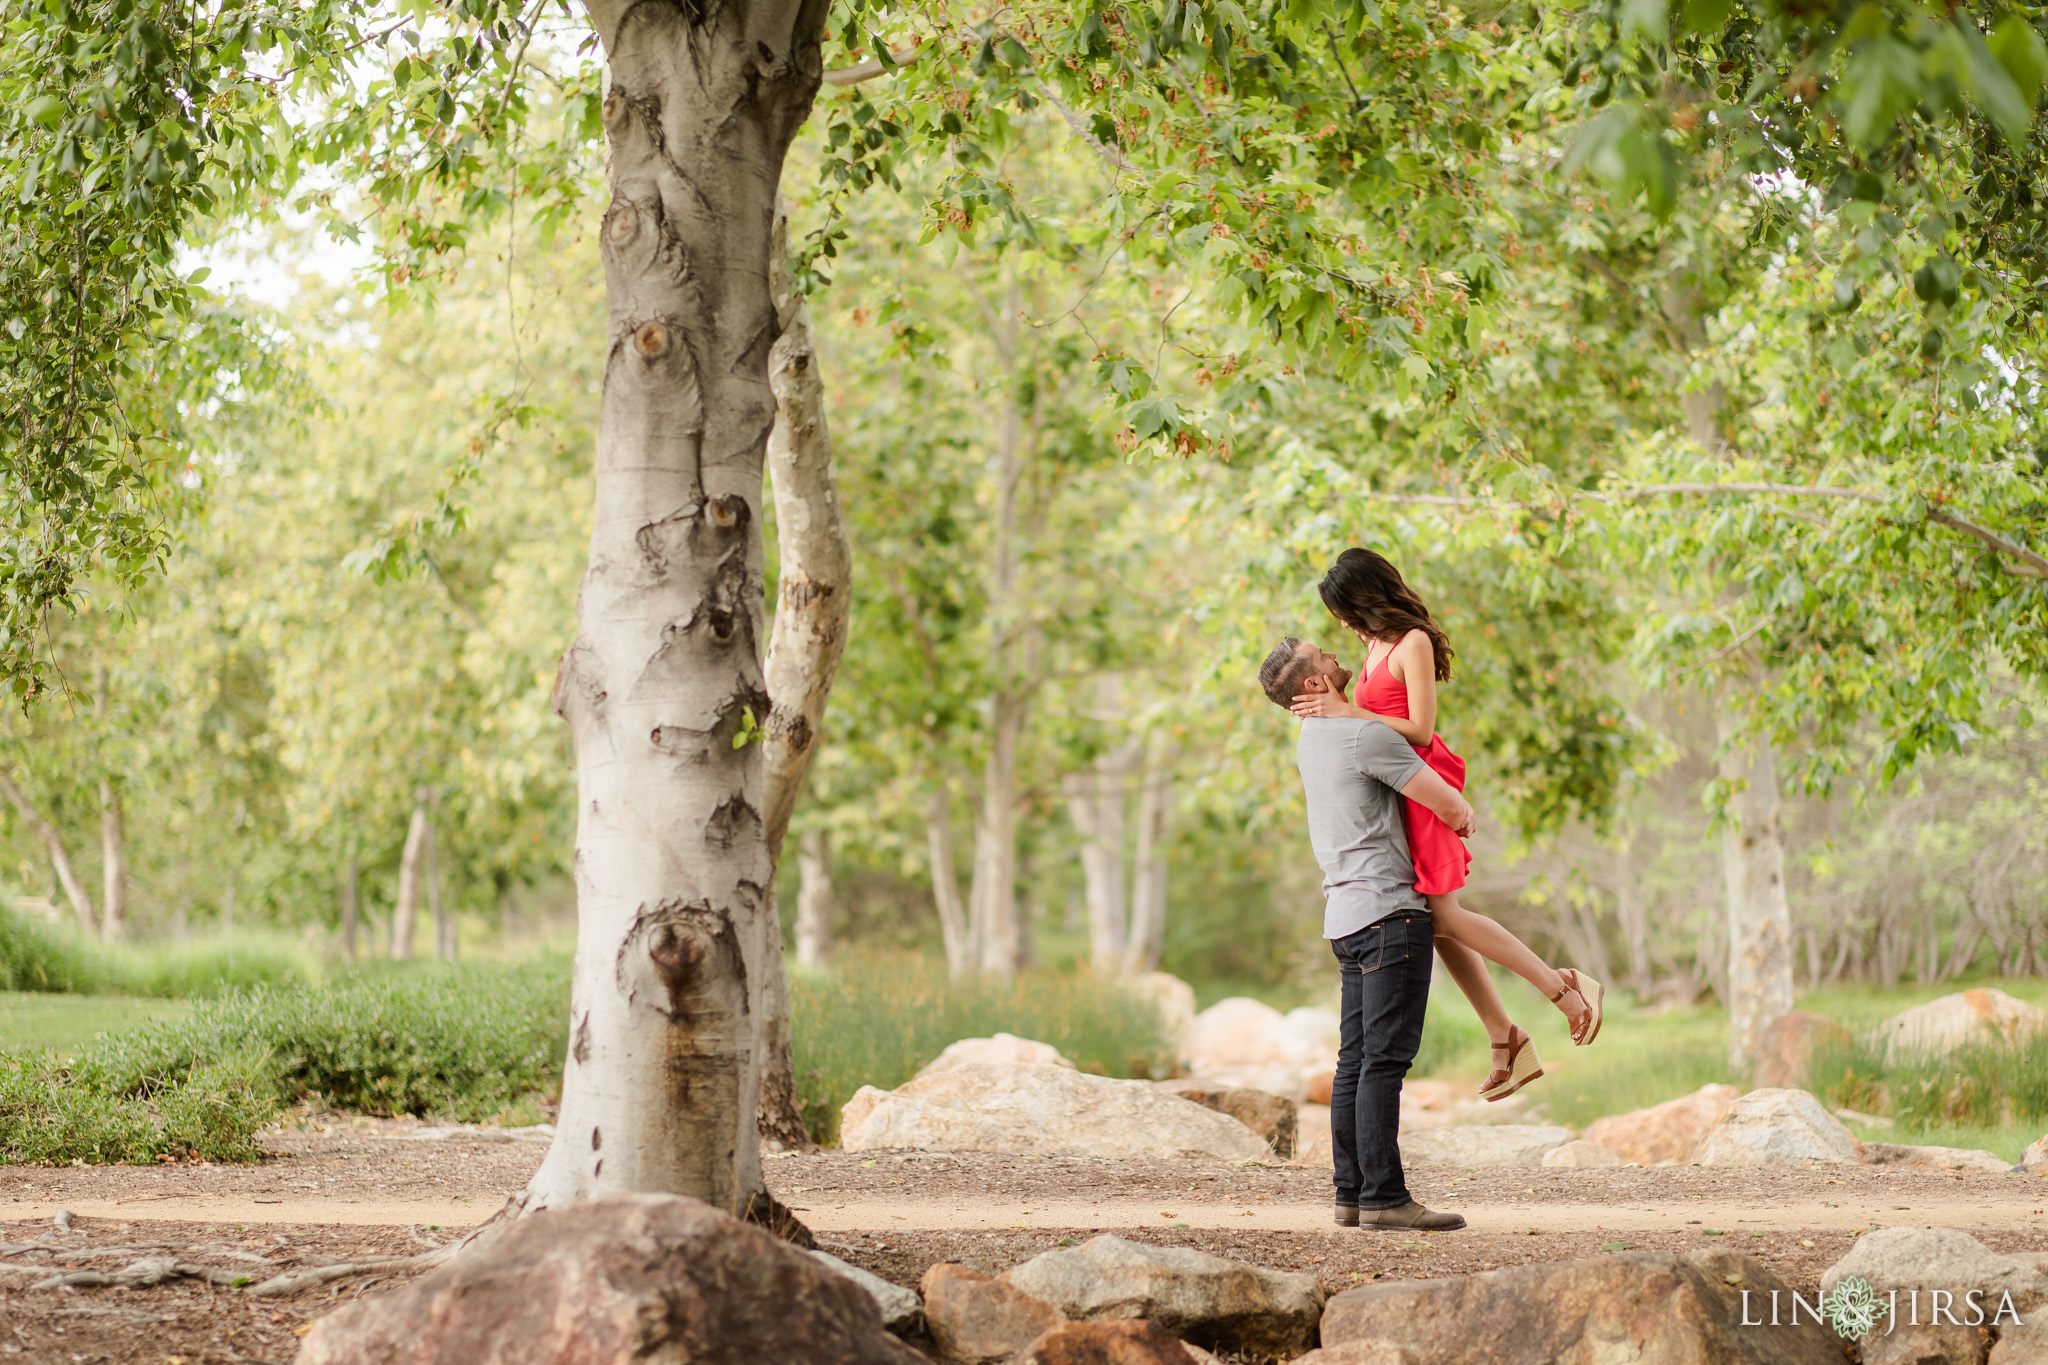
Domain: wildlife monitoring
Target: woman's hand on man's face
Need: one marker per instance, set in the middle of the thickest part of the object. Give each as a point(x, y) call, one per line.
point(1323, 704)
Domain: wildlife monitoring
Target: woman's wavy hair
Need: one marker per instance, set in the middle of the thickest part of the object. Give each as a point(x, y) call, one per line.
point(1367, 593)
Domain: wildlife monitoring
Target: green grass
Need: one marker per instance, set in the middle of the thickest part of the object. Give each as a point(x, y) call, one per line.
point(32, 1021)
point(875, 1019)
point(57, 959)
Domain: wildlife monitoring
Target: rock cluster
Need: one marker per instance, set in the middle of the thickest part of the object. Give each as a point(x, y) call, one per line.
point(1940, 1026)
point(1273, 1117)
point(1665, 1133)
point(1914, 1263)
point(1771, 1127)
point(1501, 1144)
point(1244, 1043)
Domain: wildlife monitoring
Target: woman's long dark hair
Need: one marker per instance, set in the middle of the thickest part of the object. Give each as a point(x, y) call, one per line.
point(1368, 594)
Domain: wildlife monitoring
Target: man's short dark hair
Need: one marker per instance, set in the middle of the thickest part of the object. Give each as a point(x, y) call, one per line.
point(1284, 671)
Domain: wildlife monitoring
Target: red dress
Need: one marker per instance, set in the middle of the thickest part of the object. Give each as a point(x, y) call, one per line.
point(1440, 856)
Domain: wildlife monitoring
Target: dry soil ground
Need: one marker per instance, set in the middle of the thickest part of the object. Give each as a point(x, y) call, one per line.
point(343, 1188)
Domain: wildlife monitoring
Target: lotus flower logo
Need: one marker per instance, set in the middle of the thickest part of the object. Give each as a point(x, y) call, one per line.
point(1852, 1307)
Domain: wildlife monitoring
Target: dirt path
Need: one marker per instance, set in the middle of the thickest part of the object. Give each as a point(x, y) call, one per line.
point(339, 1188)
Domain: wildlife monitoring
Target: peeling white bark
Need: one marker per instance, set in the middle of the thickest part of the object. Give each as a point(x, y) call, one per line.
point(675, 935)
point(406, 914)
point(953, 928)
point(113, 863)
point(813, 898)
point(1095, 801)
point(349, 908)
point(1148, 876)
point(1759, 920)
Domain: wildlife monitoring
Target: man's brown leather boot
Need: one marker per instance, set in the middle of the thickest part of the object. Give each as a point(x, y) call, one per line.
point(1410, 1216)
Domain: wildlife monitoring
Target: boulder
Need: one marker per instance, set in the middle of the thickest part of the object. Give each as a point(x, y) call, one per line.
point(1941, 1158)
point(1580, 1155)
point(1776, 1127)
point(1275, 1118)
point(979, 1320)
point(1939, 1027)
point(1134, 1342)
point(1637, 1306)
point(1320, 1085)
point(1357, 1353)
point(1222, 1305)
point(1664, 1132)
point(1173, 998)
point(2035, 1158)
point(651, 1279)
point(899, 1307)
point(1788, 1042)
point(1907, 1260)
point(1040, 1111)
point(1002, 1049)
point(2023, 1345)
point(1497, 1144)
point(1241, 1042)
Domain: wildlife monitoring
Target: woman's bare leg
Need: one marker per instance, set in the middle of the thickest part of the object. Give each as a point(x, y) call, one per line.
point(1468, 969)
point(1484, 936)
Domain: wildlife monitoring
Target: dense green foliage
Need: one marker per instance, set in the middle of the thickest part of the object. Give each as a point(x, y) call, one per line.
point(51, 1114)
point(36, 957)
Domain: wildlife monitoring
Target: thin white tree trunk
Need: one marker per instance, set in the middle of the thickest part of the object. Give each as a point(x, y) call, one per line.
point(349, 908)
point(227, 904)
point(813, 898)
point(1095, 801)
point(998, 936)
point(405, 915)
point(813, 598)
point(60, 861)
point(953, 931)
point(444, 924)
point(1759, 920)
point(675, 934)
point(113, 863)
point(1148, 876)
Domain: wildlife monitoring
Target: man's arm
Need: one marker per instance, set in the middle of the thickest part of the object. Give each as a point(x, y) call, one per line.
point(1443, 800)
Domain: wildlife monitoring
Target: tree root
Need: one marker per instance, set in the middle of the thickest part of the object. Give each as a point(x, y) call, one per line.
point(292, 1282)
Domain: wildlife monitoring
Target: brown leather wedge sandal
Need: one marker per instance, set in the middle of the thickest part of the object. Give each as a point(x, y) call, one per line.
point(1523, 1066)
point(1592, 993)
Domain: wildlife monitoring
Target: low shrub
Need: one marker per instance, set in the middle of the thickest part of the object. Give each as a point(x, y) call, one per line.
point(37, 957)
point(49, 1115)
point(874, 1019)
point(48, 957)
point(1986, 1085)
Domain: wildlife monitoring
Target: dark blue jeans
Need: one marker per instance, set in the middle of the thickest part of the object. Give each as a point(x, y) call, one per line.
point(1386, 991)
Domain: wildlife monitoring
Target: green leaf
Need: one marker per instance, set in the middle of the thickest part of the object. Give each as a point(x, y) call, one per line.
point(2019, 49)
point(47, 109)
point(1996, 93)
point(1881, 83)
point(1644, 19)
point(1706, 16)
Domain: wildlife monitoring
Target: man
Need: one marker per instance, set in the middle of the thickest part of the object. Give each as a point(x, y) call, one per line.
point(1355, 774)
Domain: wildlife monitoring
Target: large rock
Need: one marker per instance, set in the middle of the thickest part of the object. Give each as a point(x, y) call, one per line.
point(1275, 1118)
point(650, 1279)
point(979, 1320)
point(1776, 1127)
point(1939, 1027)
point(1357, 1353)
point(1134, 1342)
point(899, 1307)
point(1427, 1103)
point(1040, 1111)
point(1498, 1144)
point(2035, 1158)
point(1664, 1132)
point(1241, 1042)
point(1787, 1046)
point(1650, 1307)
point(1940, 1158)
point(1579, 1156)
point(1909, 1260)
point(1173, 998)
point(1223, 1305)
point(1002, 1049)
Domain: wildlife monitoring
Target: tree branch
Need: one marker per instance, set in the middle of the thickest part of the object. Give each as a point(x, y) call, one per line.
point(868, 70)
point(2036, 565)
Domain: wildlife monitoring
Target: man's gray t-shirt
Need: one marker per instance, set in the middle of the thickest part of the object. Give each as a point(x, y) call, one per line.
point(1352, 772)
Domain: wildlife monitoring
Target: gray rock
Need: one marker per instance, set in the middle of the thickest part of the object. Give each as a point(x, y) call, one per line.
point(1912, 1261)
point(1776, 1127)
point(2024, 1345)
point(1219, 1304)
point(1373, 1352)
point(2035, 1158)
point(1490, 1144)
point(1648, 1307)
point(1579, 1156)
point(1040, 1111)
point(1940, 1026)
point(901, 1308)
point(1275, 1118)
point(641, 1279)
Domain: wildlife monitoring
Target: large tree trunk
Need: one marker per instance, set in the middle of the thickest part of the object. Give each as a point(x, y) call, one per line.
point(349, 908)
point(675, 934)
point(812, 600)
point(444, 923)
point(813, 898)
point(953, 929)
point(406, 914)
point(1759, 921)
point(60, 861)
point(1148, 877)
point(113, 863)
